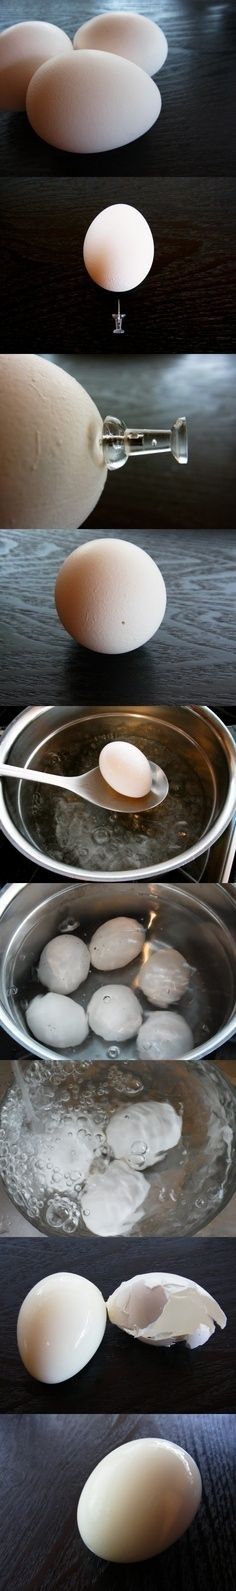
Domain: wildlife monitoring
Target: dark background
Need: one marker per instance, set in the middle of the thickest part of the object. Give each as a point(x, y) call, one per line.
point(194, 647)
point(195, 132)
point(123, 1371)
point(186, 302)
point(44, 1464)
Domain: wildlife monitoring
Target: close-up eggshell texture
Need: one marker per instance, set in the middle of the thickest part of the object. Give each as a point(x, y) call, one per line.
point(110, 596)
point(60, 1326)
point(51, 465)
point(125, 33)
point(91, 101)
point(139, 1499)
point(118, 248)
point(23, 49)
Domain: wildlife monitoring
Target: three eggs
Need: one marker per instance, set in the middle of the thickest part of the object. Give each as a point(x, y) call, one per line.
point(94, 95)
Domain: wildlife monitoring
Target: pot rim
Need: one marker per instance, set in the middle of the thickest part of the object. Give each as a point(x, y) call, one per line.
point(63, 870)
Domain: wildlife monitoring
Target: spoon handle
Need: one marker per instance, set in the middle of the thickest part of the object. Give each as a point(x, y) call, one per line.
point(34, 775)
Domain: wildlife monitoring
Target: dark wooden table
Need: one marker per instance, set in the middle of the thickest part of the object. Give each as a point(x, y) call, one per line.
point(48, 299)
point(123, 1374)
point(44, 1463)
point(195, 646)
point(195, 134)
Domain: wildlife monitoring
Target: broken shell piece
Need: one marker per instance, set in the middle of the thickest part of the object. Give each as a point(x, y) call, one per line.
point(162, 1309)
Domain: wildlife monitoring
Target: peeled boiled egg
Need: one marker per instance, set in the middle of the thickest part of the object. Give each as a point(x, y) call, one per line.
point(143, 1131)
point(56, 1020)
point(60, 1326)
point(164, 978)
point(127, 34)
point(125, 768)
point(116, 943)
point(23, 48)
point(64, 964)
point(165, 1036)
point(91, 101)
point(138, 1500)
point(111, 1199)
point(162, 1309)
point(110, 595)
point(118, 248)
point(51, 463)
point(114, 1012)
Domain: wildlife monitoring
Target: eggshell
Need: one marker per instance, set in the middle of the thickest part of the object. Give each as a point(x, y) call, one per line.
point(57, 1021)
point(143, 1131)
point(64, 964)
point(23, 48)
point(162, 1309)
point(116, 943)
point(60, 1326)
point(165, 1036)
point(51, 465)
point(125, 768)
point(91, 101)
point(114, 1012)
point(110, 596)
point(111, 1199)
point(138, 1500)
point(118, 248)
point(164, 978)
point(127, 34)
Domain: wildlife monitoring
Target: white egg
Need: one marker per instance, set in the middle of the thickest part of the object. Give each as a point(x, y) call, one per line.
point(143, 1131)
point(111, 1199)
point(164, 978)
point(51, 463)
point(125, 33)
point(116, 943)
point(64, 964)
point(110, 595)
point(57, 1021)
point(118, 248)
point(60, 1326)
point(162, 1309)
point(114, 1012)
point(125, 768)
point(165, 1036)
point(91, 101)
point(23, 48)
point(138, 1500)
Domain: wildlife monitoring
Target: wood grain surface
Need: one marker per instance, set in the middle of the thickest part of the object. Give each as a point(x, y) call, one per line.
point(44, 1463)
point(123, 1372)
point(195, 134)
point(48, 299)
point(191, 657)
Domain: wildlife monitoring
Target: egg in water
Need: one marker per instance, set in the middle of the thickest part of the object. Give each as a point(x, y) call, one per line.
point(111, 1200)
point(116, 943)
point(60, 1326)
point(126, 769)
point(138, 1500)
point(110, 596)
point(23, 48)
point(118, 248)
point(164, 977)
point(64, 964)
point(125, 33)
point(91, 101)
point(114, 1012)
point(164, 1036)
point(142, 1132)
point(57, 1021)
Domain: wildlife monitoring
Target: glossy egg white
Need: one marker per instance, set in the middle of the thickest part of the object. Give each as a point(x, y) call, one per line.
point(118, 248)
point(57, 1021)
point(164, 1036)
point(91, 101)
point(125, 768)
point(125, 33)
point(139, 1499)
point(161, 1309)
point(64, 964)
point(60, 1326)
point(116, 943)
point(164, 977)
point(51, 464)
point(110, 596)
point(111, 1200)
point(23, 48)
point(114, 1012)
point(143, 1131)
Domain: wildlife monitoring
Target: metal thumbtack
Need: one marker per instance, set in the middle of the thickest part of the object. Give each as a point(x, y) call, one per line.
point(118, 329)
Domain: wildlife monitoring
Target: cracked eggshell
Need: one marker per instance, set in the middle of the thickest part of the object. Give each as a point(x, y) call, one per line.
point(23, 49)
point(114, 1012)
point(91, 101)
point(51, 465)
point(164, 978)
point(164, 1036)
point(139, 1499)
point(111, 1200)
point(56, 1020)
point(116, 943)
point(64, 964)
point(131, 35)
point(162, 1309)
point(118, 248)
point(110, 596)
point(60, 1326)
point(143, 1131)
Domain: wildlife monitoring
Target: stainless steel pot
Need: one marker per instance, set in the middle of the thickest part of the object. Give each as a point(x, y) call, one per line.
point(31, 914)
point(206, 746)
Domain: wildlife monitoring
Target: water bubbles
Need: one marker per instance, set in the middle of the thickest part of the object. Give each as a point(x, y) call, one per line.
point(62, 1216)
